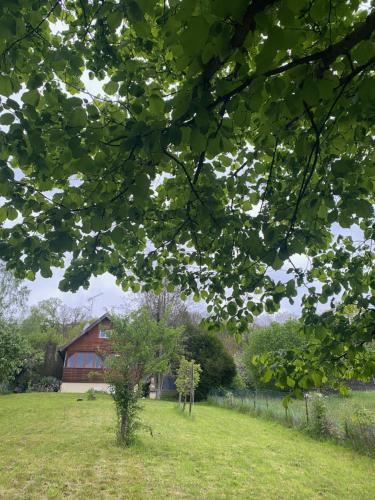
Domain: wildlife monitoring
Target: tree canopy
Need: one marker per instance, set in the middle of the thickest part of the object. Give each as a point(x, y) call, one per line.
point(273, 338)
point(217, 365)
point(204, 143)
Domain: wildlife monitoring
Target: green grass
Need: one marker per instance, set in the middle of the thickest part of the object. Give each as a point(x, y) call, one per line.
point(52, 446)
point(338, 407)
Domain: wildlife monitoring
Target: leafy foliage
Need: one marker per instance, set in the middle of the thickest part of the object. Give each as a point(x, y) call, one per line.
point(218, 368)
point(49, 325)
point(227, 137)
point(274, 338)
point(338, 346)
point(188, 376)
point(13, 296)
point(319, 421)
point(14, 352)
point(47, 384)
point(136, 341)
point(360, 430)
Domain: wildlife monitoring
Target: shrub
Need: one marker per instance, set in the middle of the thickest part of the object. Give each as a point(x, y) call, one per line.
point(320, 424)
point(47, 384)
point(90, 395)
point(14, 352)
point(360, 430)
point(218, 367)
point(4, 388)
point(271, 338)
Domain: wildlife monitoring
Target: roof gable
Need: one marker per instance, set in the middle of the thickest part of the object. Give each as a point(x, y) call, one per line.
point(86, 330)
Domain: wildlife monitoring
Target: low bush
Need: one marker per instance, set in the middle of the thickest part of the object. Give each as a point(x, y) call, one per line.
point(90, 395)
point(47, 384)
point(320, 424)
point(218, 367)
point(360, 430)
point(4, 388)
point(270, 338)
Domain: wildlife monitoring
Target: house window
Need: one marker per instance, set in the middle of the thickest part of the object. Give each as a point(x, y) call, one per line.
point(104, 334)
point(84, 360)
point(79, 359)
point(70, 361)
point(89, 361)
point(98, 361)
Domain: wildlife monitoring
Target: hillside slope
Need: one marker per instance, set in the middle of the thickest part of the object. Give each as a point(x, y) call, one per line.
point(53, 446)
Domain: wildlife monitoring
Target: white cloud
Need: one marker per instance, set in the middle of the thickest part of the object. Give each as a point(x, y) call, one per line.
point(109, 295)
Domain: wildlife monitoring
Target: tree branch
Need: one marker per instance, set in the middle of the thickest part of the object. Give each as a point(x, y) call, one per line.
point(32, 30)
point(326, 57)
point(242, 29)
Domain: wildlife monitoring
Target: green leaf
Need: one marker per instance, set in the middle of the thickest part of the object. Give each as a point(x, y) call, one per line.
point(317, 378)
point(77, 118)
point(110, 88)
point(341, 168)
point(232, 308)
point(117, 235)
point(195, 36)
point(6, 87)
point(267, 375)
point(6, 119)
point(290, 382)
point(156, 105)
point(363, 208)
point(32, 97)
point(198, 141)
point(36, 80)
point(310, 91)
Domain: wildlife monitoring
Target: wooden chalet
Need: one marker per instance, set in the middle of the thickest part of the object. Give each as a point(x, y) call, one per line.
point(82, 357)
point(83, 366)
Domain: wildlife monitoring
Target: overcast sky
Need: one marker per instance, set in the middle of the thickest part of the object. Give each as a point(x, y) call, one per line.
point(107, 296)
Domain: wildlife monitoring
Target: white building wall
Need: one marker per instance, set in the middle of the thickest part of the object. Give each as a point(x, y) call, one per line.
point(81, 387)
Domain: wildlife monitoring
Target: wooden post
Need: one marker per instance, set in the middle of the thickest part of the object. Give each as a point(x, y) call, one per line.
point(191, 386)
point(307, 409)
point(255, 396)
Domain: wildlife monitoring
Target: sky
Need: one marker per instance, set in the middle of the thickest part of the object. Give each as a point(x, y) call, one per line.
point(104, 295)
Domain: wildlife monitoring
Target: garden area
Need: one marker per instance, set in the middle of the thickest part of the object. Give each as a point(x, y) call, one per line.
point(53, 446)
point(349, 420)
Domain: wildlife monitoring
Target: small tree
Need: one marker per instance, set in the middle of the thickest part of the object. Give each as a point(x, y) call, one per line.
point(136, 341)
point(13, 295)
point(14, 353)
point(188, 376)
point(165, 306)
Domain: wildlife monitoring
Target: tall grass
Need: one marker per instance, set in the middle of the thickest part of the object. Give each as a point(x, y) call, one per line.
point(350, 419)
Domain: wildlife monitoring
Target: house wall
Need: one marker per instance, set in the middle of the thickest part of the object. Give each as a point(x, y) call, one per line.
point(90, 342)
point(81, 387)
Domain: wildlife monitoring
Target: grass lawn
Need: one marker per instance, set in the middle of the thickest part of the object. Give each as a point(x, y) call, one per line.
point(52, 446)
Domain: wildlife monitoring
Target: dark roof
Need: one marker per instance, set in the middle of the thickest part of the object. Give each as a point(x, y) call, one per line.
point(83, 332)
